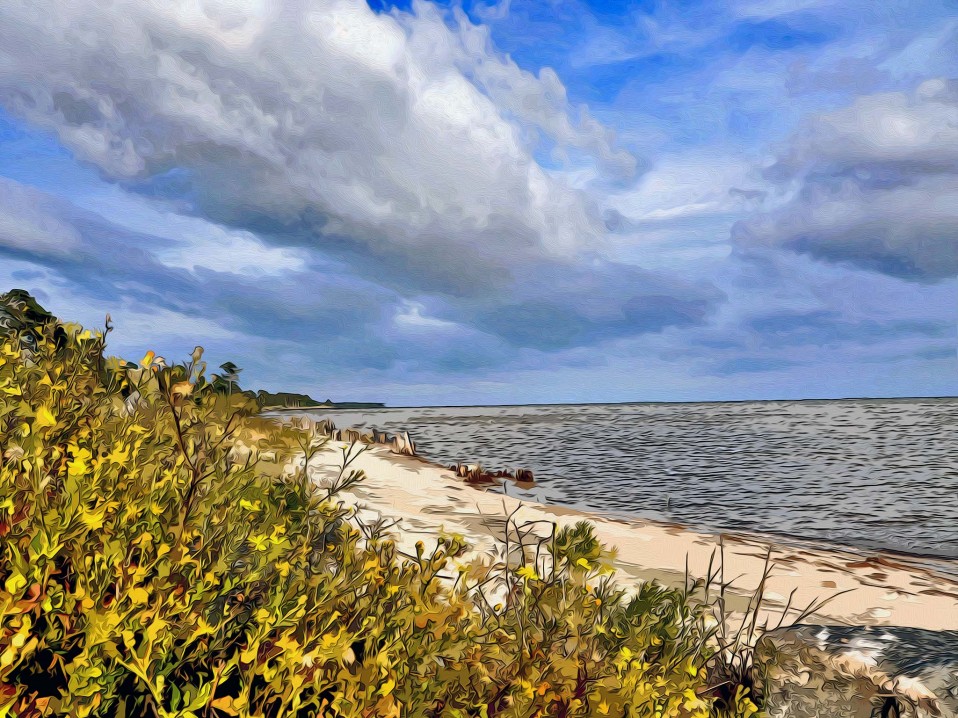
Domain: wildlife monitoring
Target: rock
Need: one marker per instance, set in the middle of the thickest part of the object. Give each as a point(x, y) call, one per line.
point(858, 672)
point(399, 444)
point(524, 476)
point(132, 402)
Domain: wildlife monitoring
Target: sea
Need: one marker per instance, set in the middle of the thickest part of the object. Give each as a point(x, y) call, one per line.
point(875, 474)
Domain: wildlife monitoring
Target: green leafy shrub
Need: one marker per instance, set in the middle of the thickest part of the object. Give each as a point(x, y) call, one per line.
point(164, 553)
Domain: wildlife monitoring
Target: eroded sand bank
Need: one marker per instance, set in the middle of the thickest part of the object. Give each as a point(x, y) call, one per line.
point(863, 588)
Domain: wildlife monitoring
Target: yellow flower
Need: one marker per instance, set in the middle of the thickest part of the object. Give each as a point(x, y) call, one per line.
point(92, 519)
point(15, 584)
point(79, 465)
point(45, 417)
point(527, 572)
point(249, 505)
point(155, 628)
point(138, 595)
point(276, 536)
point(119, 455)
point(287, 643)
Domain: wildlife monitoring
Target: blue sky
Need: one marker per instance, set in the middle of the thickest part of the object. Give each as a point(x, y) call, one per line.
point(495, 202)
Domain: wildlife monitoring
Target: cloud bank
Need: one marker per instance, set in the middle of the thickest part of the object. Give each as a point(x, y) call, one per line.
point(401, 146)
point(874, 184)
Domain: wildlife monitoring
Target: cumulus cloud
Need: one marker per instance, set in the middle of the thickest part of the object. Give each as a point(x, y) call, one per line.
point(372, 126)
point(539, 102)
point(874, 184)
point(401, 146)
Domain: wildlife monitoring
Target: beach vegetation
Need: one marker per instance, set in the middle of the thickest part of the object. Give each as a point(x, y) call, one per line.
point(164, 553)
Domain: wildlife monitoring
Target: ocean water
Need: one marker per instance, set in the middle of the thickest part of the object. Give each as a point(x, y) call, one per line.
point(873, 474)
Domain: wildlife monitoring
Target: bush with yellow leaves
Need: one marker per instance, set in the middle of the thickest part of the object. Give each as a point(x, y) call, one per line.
point(159, 558)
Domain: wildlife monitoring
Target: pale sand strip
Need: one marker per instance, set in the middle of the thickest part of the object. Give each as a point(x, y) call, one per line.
point(425, 498)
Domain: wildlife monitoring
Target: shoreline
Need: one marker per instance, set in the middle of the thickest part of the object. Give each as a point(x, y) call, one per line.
point(944, 565)
point(795, 475)
point(865, 588)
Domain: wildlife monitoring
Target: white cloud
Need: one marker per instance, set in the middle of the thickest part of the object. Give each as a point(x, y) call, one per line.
point(689, 185)
point(873, 184)
point(919, 127)
point(537, 102)
point(410, 317)
point(400, 146)
point(233, 252)
point(391, 129)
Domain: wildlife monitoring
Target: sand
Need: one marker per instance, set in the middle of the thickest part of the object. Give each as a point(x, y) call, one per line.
point(866, 589)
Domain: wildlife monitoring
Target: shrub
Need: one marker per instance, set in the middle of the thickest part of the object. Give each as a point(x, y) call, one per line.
point(164, 553)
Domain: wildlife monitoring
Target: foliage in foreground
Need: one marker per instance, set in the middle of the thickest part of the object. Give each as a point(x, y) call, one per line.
point(163, 553)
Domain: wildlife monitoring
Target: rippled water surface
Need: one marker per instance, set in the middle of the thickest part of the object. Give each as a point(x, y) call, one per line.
point(866, 473)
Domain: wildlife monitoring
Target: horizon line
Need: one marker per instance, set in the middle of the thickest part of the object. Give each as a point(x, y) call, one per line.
point(626, 403)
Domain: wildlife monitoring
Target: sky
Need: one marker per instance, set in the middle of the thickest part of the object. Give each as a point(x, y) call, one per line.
point(495, 203)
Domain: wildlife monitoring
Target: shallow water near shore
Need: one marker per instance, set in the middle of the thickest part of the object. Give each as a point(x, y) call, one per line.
point(872, 474)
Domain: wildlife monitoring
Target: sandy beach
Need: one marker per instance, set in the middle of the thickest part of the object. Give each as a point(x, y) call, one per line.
point(865, 589)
